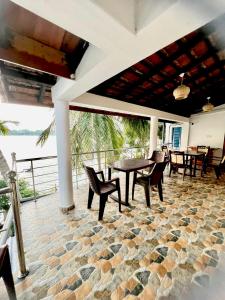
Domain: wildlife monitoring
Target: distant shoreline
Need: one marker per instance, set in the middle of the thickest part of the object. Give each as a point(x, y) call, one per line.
point(23, 132)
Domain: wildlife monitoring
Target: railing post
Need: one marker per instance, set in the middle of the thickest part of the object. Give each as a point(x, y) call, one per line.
point(23, 272)
point(33, 182)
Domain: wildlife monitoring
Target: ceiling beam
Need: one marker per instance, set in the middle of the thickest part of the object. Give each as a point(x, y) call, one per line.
point(25, 51)
point(106, 112)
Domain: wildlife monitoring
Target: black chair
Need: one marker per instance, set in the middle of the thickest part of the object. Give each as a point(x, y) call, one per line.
point(102, 188)
point(6, 272)
point(179, 161)
point(158, 156)
point(154, 178)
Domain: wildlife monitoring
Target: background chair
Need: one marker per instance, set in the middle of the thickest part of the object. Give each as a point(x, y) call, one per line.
point(6, 272)
point(179, 161)
point(102, 188)
point(154, 178)
point(202, 163)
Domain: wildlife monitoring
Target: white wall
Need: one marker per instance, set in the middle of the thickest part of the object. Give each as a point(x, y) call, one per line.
point(207, 129)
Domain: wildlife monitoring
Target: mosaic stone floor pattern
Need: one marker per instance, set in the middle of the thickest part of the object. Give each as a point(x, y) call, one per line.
point(158, 253)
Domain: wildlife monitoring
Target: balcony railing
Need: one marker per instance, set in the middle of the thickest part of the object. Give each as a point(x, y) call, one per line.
point(40, 175)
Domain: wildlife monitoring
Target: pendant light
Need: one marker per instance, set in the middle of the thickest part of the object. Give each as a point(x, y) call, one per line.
point(182, 91)
point(208, 107)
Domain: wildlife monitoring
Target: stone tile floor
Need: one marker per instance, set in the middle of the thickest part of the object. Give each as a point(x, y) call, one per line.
point(165, 252)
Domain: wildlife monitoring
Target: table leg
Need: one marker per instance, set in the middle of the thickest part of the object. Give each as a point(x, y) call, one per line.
point(191, 167)
point(195, 166)
point(127, 188)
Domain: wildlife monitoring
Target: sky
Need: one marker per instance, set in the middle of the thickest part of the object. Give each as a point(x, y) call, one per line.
point(29, 117)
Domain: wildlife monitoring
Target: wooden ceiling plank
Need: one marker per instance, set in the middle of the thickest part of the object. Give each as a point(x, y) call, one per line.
point(28, 52)
point(17, 73)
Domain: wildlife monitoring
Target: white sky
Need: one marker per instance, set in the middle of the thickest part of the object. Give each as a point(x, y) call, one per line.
point(29, 117)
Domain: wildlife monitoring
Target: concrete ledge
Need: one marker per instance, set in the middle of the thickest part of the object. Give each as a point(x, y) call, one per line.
point(65, 210)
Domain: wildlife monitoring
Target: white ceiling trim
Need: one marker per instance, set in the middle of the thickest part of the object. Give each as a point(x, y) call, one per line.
point(105, 103)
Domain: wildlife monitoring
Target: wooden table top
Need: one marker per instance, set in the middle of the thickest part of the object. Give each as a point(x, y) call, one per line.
point(193, 153)
point(129, 165)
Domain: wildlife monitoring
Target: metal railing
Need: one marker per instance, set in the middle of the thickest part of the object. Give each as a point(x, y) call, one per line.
point(40, 174)
point(13, 218)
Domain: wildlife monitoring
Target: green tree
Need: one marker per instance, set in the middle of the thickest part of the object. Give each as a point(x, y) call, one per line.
point(137, 133)
point(90, 132)
point(4, 130)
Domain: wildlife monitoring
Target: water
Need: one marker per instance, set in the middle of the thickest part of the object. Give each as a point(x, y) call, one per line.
point(25, 147)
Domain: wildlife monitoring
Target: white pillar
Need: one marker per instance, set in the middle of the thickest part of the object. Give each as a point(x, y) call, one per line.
point(64, 155)
point(153, 135)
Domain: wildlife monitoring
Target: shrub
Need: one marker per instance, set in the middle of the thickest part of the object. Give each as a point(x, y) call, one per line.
point(24, 189)
point(4, 199)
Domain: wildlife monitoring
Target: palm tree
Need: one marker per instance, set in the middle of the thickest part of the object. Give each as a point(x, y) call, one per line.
point(90, 132)
point(4, 130)
point(137, 132)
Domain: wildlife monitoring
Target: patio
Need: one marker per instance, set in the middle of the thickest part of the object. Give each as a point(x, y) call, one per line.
point(171, 251)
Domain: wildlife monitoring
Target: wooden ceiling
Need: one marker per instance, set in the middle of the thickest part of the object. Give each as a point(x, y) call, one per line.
point(21, 85)
point(31, 41)
point(150, 82)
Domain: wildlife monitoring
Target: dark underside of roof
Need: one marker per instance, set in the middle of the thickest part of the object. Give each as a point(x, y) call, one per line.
point(150, 82)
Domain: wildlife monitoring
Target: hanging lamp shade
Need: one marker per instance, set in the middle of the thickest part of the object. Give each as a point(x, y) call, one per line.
point(182, 91)
point(208, 107)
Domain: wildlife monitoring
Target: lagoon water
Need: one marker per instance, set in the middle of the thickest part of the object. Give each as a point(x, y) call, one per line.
point(25, 147)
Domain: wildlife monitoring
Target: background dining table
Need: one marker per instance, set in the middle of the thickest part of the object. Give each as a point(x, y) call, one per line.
point(194, 155)
point(128, 166)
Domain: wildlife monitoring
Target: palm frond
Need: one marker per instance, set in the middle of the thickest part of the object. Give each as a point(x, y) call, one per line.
point(4, 130)
point(45, 134)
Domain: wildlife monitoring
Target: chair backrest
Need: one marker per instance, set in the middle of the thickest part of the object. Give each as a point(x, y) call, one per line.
point(158, 156)
point(177, 157)
point(203, 149)
point(223, 160)
point(157, 172)
point(93, 179)
point(192, 148)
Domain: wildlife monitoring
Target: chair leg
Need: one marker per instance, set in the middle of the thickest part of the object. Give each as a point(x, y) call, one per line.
point(6, 274)
point(133, 186)
point(171, 169)
point(119, 198)
point(103, 199)
point(90, 197)
point(147, 195)
point(217, 171)
point(184, 172)
point(160, 191)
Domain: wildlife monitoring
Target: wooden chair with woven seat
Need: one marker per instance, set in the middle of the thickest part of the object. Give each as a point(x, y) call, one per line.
point(179, 161)
point(218, 165)
point(154, 178)
point(203, 162)
point(102, 188)
point(6, 272)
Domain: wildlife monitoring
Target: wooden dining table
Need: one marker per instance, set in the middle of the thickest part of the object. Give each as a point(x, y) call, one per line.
point(194, 155)
point(127, 166)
